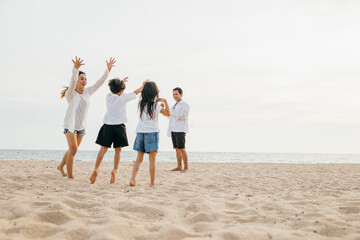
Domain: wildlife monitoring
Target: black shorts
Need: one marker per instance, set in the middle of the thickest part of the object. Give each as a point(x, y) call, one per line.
point(178, 139)
point(115, 134)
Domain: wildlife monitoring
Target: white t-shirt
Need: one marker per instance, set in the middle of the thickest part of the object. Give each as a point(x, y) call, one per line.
point(116, 108)
point(147, 125)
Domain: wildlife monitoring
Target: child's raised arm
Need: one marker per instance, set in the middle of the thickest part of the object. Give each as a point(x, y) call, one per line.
point(165, 111)
point(137, 91)
point(75, 75)
point(97, 85)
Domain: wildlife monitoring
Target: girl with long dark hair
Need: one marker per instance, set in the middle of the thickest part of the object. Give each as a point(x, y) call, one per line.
point(147, 131)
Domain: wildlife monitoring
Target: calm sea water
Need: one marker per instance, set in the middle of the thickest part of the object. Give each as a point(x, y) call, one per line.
point(220, 157)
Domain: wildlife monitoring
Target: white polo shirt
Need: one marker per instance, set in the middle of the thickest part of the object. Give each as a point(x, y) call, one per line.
point(179, 118)
point(116, 108)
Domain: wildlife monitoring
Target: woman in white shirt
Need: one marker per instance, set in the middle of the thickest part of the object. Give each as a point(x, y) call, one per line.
point(78, 98)
point(147, 131)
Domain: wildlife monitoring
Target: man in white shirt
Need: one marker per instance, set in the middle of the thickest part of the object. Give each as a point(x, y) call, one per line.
point(178, 127)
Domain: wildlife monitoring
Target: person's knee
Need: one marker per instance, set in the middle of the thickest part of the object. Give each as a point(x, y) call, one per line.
point(152, 153)
point(118, 150)
point(73, 149)
point(182, 150)
point(140, 158)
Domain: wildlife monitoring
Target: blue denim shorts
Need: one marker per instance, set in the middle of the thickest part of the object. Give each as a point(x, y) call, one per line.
point(146, 142)
point(79, 133)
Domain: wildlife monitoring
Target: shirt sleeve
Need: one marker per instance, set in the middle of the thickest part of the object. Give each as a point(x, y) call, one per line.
point(130, 96)
point(70, 91)
point(98, 84)
point(158, 108)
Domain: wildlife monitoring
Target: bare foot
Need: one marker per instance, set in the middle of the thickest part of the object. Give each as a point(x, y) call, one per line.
point(176, 169)
point(132, 183)
point(94, 176)
point(63, 173)
point(70, 176)
point(185, 170)
point(152, 185)
point(113, 175)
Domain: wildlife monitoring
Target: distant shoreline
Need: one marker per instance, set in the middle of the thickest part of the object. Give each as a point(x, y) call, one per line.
point(170, 156)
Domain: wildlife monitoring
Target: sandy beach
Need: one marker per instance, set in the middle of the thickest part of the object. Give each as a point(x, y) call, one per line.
point(212, 201)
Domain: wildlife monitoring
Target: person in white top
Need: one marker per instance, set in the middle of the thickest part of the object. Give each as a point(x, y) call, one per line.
point(178, 127)
point(147, 130)
point(113, 132)
point(78, 98)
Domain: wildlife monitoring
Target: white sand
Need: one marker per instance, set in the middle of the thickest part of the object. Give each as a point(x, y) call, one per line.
point(212, 201)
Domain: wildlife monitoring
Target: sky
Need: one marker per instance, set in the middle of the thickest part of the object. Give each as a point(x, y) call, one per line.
point(259, 76)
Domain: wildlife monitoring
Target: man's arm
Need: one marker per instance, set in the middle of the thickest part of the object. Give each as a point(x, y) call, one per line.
point(182, 113)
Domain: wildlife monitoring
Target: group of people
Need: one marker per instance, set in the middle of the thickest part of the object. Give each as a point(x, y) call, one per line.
point(113, 131)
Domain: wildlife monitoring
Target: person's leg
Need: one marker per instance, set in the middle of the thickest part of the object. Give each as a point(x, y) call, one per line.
point(99, 159)
point(63, 161)
point(178, 159)
point(139, 159)
point(178, 153)
point(73, 146)
point(116, 164)
point(152, 159)
point(185, 159)
point(62, 164)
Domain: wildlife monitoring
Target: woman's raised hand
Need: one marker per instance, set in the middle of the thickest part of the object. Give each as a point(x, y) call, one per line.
point(110, 64)
point(125, 79)
point(78, 62)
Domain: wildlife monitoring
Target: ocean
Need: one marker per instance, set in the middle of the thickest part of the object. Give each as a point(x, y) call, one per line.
point(219, 157)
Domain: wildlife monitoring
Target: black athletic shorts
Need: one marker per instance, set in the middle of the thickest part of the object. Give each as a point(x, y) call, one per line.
point(112, 134)
point(178, 139)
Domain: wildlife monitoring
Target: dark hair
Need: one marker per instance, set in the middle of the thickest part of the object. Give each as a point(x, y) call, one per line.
point(149, 95)
point(178, 89)
point(116, 85)
point(62, 94)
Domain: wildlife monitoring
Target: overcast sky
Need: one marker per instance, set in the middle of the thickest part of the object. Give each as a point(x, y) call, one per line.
point(259, 76)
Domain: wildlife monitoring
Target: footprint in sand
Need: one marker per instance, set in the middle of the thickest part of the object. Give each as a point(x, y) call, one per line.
point(34, 230)
point(78, 204)
point(350, 210)
point(235, 205)
point(203, 217)
point(40, 204)
point(149, 213)
point(54, 217)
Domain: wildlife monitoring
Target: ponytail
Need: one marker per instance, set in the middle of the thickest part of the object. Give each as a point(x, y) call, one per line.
point(62, 94)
